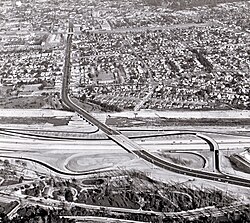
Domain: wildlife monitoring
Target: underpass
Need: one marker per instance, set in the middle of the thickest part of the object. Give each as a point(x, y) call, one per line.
point(133, 147)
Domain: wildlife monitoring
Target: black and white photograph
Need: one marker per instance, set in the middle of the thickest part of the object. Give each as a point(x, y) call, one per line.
point(124, 111)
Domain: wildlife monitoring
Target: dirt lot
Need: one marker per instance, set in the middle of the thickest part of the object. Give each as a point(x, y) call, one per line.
point(25, 102)
point(7, 207)
point(32, 121)
point(142, 122)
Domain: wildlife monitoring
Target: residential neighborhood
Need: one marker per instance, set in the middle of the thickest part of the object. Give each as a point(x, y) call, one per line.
point(129, 111)
point(183, 71)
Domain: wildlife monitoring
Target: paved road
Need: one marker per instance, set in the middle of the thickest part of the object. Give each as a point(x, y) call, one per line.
point(133, 147)
point(55, 170)
point(154, 28)
point(55, 204)
point(155, 160)
point(64, 138)
point(51, 203)
point(100, 219)
point(193, 172)
point(116, 136)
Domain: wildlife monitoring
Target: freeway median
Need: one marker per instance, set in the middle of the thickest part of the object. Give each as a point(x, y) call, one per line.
point(132, 147)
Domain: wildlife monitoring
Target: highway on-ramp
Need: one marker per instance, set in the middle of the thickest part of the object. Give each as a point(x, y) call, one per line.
point(133, 147)
point(116, 136)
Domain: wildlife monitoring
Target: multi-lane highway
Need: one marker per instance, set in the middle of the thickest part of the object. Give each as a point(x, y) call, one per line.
point(133, 147)
point(193, 172)
point(116, 136)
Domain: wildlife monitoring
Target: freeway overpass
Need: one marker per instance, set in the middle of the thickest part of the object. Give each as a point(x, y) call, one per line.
point(133, 147)
point(116, 136)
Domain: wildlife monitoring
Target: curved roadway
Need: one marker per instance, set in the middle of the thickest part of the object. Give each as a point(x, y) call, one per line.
point(133, 147)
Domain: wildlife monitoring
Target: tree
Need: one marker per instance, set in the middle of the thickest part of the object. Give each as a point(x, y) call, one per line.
point(68, 195)
point(21, 179)
point(6, 163)
point(83, 97)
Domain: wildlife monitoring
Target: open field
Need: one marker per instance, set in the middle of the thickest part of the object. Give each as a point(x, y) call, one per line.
point(193, 117)
point(220, 114)
point(7, 207)
point(31, 113)
point(191, 160)
point(229, 167)
point(35, 121)
point(158, 122)
point(33, 102)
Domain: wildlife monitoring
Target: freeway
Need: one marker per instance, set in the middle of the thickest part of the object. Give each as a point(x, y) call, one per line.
point(57, 171)
point(116, 136)
point(64, 94)
point(143, 139)
point(213, 146)
point(193, 172)
point(141, 153)
point(133, 147)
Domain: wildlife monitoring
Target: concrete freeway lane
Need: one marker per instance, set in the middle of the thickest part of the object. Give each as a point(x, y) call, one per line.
point(133, 147)
point(17, 136)
point(113, 134)
point(193, 172)
point(141, 153)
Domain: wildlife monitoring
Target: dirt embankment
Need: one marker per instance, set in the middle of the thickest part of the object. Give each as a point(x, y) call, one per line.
point(142, 122)
point(35, 120)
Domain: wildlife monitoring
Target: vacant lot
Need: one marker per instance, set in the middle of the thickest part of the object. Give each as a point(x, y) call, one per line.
point(32, 121)
point(25, 102)
point(7, 207)
point(142, 122)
